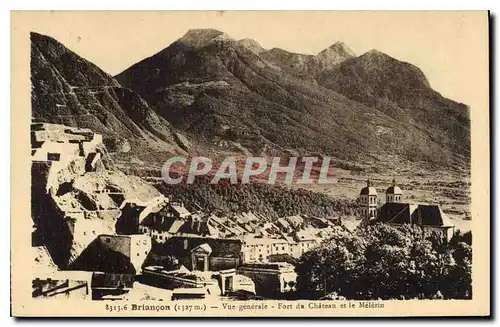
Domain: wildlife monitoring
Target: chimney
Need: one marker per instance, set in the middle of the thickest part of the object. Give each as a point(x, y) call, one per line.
point(196, 226)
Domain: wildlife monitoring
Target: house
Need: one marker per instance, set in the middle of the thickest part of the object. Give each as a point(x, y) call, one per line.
point(295, 221)
point(161, 218)
point(258, 249)
point(317, 222)
point(128, 222)
point(177, 210)
point(161, 228)
point(200, 224)
point(160, 213)
point(202, 253)
point(222, 225)
point(115, 254)
point(305, 240)
point(284, 225)
point(135, 211)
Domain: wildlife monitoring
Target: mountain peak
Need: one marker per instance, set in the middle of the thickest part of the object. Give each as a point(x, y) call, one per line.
point(376, 53)
point(79, 73)
point(341, 47)
point(198, 38)
point(335, 54)
point(34, 36)
point(252, 45)
point(197, 32)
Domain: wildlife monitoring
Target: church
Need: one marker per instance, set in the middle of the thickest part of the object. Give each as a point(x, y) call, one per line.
point(396, 212)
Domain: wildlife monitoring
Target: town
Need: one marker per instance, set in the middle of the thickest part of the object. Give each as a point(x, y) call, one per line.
point(126, 244)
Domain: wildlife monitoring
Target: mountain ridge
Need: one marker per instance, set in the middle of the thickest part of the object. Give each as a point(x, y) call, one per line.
point(226, 97)
point(253, 94)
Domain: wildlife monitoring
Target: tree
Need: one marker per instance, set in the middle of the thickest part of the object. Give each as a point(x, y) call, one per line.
point(387, 262)
point(458, 282)
point(333, 266)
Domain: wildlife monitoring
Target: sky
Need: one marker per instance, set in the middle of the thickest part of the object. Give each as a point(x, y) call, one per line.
point(451, 48)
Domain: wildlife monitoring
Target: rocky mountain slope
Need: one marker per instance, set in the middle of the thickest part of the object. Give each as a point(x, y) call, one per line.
point(371, 108)
point(67, 89)
point(402, 91)
point(233, 96)
point(252, 45)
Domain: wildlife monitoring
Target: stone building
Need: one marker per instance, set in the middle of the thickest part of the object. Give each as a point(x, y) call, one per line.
point(368, 199)
point(116, 254)
point(202, 253)
point(270, 279)
point(397, 213)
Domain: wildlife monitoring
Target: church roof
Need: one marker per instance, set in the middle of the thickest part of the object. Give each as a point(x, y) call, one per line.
point(397, 213)
point(368, 189)
point(432, 215)
point(393, 189)
point(405, 213)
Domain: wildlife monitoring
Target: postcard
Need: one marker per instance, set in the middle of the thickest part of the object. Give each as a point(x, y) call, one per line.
point(250, 164)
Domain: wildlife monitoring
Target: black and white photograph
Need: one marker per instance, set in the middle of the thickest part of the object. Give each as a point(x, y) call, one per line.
point(221, 163)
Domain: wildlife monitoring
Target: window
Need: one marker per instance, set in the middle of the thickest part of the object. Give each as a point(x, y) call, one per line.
point(283, 248)
point(53, 156)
